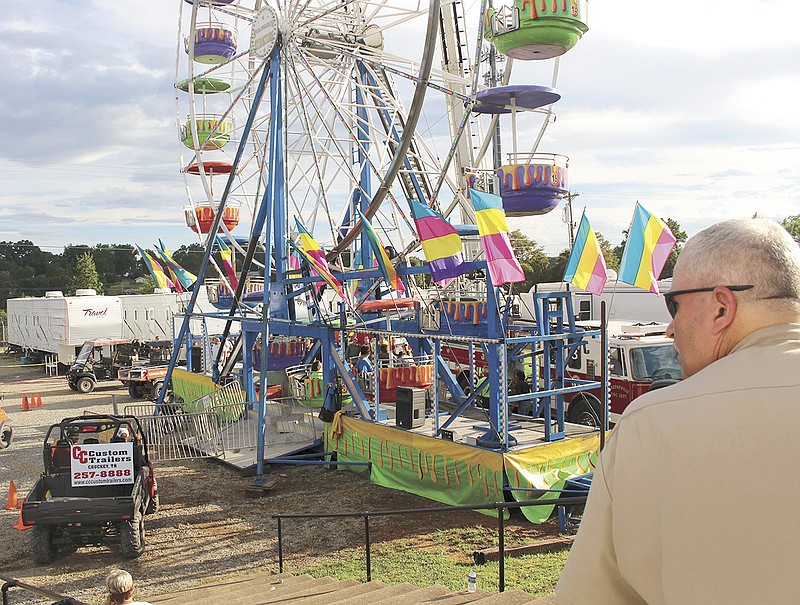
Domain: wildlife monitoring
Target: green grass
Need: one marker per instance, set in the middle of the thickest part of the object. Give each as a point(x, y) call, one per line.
point(444, 558)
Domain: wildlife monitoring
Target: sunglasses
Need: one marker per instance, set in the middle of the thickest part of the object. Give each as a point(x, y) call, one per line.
point(672, 306)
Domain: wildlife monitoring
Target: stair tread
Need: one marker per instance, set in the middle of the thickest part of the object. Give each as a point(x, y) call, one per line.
point(251, 586)
point(263, 588)
point(384, 594)
point(509, 597)
point(350, 588)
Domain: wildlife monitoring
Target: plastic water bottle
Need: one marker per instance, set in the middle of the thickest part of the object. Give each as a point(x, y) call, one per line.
point(472, 581)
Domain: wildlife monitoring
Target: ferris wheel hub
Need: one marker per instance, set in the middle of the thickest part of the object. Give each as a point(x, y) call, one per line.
point(266, 28)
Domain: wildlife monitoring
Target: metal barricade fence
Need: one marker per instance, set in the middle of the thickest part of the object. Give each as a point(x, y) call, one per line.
point(174, 434)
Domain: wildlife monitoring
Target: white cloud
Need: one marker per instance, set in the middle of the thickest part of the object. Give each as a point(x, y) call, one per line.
point(688, 108)
point(713, 26)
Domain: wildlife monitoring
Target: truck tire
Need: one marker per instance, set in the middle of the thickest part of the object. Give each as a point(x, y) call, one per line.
point(169, 396)
point(85, 385)
point(5, 436)
point(41, 544)
point(131, 534)
point(136, 390)
point(585, 410)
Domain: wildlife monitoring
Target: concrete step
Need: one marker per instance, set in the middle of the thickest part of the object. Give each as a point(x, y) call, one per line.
point(384, 594)
point(263, 588)
point(509, 597)
point(415, 596)
point(249, 590)
point(347, 590)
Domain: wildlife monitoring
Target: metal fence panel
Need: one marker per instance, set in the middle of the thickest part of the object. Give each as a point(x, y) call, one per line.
point(228, 426)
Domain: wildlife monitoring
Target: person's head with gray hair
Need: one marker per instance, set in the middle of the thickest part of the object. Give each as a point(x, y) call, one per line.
point(120, 587)
point(731, 279)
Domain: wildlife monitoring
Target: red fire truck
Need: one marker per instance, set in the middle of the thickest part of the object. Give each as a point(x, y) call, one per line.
point(639, 355)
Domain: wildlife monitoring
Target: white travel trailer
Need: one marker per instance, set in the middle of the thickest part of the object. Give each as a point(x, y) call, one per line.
point(58, 324)
point(623, 302)
point(150, 316)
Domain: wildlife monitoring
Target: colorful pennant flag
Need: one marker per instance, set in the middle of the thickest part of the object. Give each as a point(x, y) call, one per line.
point(586, 267)
point(186, 278)
point(503, 264)
point(161, 279)
point(649, 244)
point(227, 261)
point(381, 257)
point(440, 243)
point(173, 277)
point(315, 256)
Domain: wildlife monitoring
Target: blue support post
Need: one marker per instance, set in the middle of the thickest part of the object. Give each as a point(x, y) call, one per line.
point(274, 230)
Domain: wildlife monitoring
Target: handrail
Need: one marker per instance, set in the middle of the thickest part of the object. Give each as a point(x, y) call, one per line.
point(9, 583)
point(499, 506)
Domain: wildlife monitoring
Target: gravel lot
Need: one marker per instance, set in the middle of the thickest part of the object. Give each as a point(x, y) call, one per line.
point(206, 529)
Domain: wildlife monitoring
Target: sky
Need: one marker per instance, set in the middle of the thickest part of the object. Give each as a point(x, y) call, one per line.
point(689, 109)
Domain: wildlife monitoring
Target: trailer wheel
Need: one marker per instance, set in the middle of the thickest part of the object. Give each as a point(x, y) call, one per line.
point(41, 544)
point(585, 410)
point(136, 390)
point(5, 436)
point(131, 533)
point(85, 385)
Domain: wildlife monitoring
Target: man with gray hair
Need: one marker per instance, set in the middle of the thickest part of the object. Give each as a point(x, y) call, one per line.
point(692, 498)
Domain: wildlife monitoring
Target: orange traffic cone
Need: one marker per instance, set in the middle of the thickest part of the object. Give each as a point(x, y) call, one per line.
point(25, 405)
point(36, 400)
point(13, 501)
point(20, 525)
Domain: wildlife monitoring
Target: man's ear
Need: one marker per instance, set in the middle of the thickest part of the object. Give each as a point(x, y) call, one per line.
point(725, 309)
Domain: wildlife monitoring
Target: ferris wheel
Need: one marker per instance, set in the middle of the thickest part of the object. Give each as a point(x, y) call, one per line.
point(321, 111)
point(352, 115)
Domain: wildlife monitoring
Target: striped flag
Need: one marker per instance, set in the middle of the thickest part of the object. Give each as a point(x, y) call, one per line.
point(227, 262)
point(586, 267)
point(161, 279)
point(440, 243)
point(387, 269)
point(173, 277)
point(503, 264)
point(184, 277)
point(646, 252)
point(315, 256)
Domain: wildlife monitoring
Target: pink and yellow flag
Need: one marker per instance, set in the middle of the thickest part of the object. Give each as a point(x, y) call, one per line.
point(649, 245)
point(586, 267)
point(315, 256)
point(227, 262)
point(502, 262)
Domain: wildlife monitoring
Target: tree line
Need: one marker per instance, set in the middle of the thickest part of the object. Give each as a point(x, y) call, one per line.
point(27, 270)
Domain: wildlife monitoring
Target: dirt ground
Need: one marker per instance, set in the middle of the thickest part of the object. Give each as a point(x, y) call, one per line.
point(206, 528)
